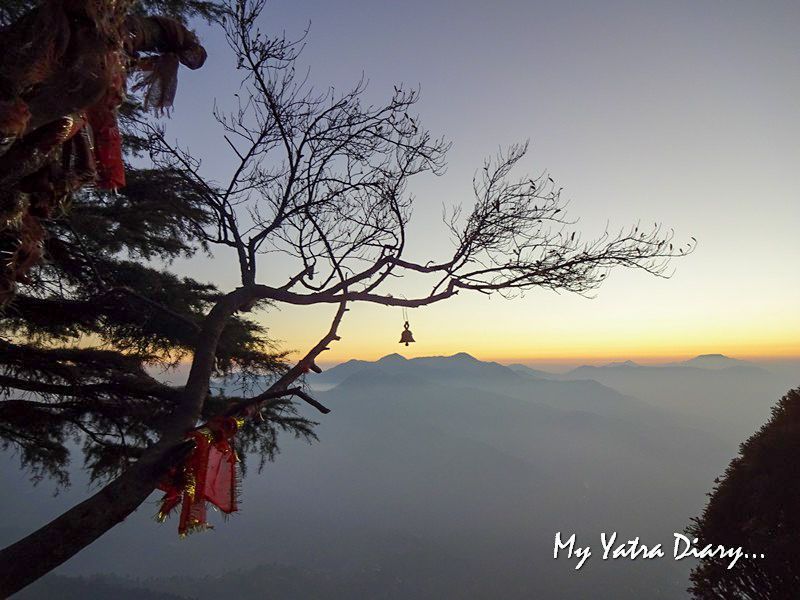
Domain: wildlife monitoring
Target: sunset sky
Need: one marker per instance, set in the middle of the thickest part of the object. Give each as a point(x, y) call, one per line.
point(681, 112)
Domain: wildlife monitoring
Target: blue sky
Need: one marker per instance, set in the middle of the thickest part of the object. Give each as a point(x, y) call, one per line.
point(680, 112)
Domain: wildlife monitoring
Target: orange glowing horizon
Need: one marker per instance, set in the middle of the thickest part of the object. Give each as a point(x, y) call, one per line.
point(587, 359)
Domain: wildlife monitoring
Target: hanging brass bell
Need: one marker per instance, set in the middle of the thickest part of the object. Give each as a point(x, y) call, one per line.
point(406, 337)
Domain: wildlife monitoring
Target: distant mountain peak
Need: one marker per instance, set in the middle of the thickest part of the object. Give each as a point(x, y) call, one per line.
point(712, 361)
point(453, 358)
point(626, 363)
point(393, 357)
point(713, 358)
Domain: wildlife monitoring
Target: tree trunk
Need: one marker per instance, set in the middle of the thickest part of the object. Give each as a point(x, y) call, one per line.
point(45, 549)
point(50, 546)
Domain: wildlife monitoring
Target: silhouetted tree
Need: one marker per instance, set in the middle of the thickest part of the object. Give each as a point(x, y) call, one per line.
point(320, 178)
point(755, 506)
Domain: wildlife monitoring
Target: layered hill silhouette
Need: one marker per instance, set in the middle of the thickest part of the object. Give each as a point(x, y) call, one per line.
point(722, 395)
point(465, 371)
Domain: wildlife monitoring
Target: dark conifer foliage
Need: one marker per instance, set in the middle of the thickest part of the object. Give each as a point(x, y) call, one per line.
point(754, 506)
point(182, 9)
point(103, 312)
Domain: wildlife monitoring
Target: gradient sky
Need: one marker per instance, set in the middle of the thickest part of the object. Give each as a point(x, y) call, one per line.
point(679, 112)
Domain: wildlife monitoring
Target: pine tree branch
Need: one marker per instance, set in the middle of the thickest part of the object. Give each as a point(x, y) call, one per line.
point(123, 387)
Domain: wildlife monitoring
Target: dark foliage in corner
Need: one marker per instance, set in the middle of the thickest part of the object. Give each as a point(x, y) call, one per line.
point(754, 506)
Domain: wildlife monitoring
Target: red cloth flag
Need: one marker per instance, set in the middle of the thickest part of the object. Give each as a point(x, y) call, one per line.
point(209, 474)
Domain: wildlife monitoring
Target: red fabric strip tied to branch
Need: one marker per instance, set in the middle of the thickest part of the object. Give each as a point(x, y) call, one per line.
point(104, 121)
point(209, 474)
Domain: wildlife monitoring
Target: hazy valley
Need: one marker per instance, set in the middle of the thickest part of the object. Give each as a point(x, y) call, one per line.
point(447, 477)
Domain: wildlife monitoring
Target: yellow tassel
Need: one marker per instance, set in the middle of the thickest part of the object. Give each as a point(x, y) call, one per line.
point(206, 433)
point(190, 487)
